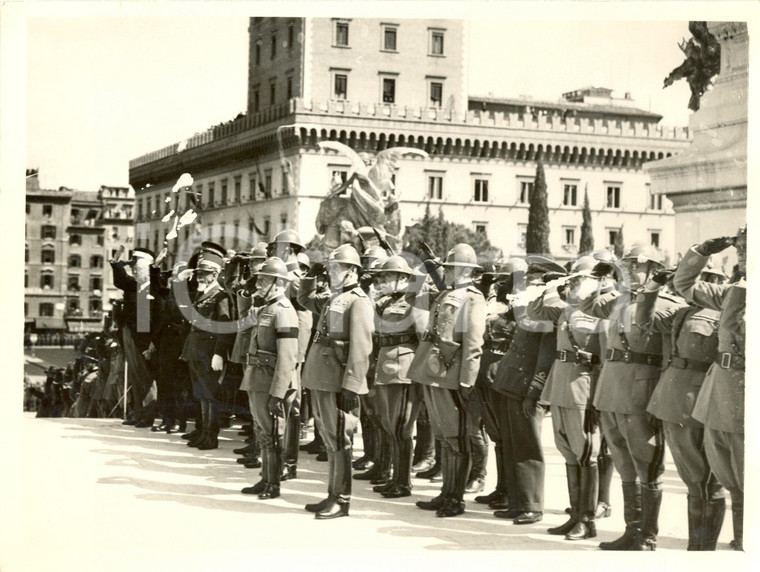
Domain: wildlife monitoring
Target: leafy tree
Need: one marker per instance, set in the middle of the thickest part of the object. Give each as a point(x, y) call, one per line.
point(441, 235)
point(587, 232)
point(537, 235)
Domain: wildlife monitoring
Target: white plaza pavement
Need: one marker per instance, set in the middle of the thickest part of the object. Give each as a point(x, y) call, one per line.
point(99, 495)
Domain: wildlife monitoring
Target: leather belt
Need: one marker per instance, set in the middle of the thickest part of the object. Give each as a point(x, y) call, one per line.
point(495, 347)
point(615, 354)
point(683, 363)
point(429, 336)
point(580, 357)
point(727, 360)
point(325, 340)
point(384, 340)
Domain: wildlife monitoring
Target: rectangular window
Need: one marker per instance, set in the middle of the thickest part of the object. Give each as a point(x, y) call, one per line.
point(337, 177)
point(257, 53)
point(139, 209)
point(284, 182)
point(613, 196)
point(238, 192)
point(47, 210)
point(273, 47)
point(46, 308)
point(524, 190)
point(654, 238)
point(210, 202)
point(100, 240)
point(389, 90)
point(291, 36)
point(341, 34)
point(341, 86)
point(47, 282)
point(268, 183)
point(283, 221)
point(252, 188)
point(655, 200)
point(96, 283)
point(267, 226)
point(436, 94)
point(236, 234)
point(570, 198)
point(569, 233)
point(256, 101)
point(480, 227)
point(272, 93)
point(481, 191)
point(75, 240)
point(73, 283)
point(612, 236)
point(48, 232)
point(289, 91)
point(436, 42)
point(95, 307)
point(435, 187)
point(224, 192)
point(389, 38)
point(522, 235)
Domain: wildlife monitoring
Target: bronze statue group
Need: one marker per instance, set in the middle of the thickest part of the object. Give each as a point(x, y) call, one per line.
point(431, 359)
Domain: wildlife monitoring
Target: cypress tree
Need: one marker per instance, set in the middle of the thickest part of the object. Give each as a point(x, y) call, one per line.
point(587, 232)
point(537, 235)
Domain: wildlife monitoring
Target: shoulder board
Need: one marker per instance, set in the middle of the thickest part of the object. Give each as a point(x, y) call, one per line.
point(473, 290)
point(359, 292)
point(285, 303)
point(671, 297)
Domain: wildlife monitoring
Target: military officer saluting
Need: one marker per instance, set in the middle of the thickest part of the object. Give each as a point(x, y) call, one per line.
point(720, 403)
point(446, 365)
point(336, 367)
point(271, 366)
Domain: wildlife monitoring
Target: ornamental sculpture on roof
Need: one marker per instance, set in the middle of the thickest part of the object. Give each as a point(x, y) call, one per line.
point(702, 62)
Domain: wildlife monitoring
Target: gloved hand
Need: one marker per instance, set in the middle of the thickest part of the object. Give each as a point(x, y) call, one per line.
point(275, 405)
point(465, 391)
point(149, 352)
point(185, 274)
point(349, 401)
point(529, 405)
point(662, 277)
point(217, 363)
point(316, 269)
point(654, 423)
point(714, 245)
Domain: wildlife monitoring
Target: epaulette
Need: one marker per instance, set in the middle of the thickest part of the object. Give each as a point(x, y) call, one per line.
point(359, 292)
point(473, 290)
point(285, 303)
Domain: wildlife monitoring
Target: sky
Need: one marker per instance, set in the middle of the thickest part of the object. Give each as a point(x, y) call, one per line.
point(101, 91)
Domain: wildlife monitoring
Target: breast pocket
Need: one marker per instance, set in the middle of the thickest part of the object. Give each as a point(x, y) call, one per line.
point(394, 364)
point(701, 339)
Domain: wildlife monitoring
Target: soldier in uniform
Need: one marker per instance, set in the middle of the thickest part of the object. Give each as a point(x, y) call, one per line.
point(272, 359)
point(498, 335)
point(244, 288)
point(629, 374)
point(446, 365)
point(517, 387)
point(692, 333)
point(287, 246)
point(208, 344)
point(377, 442)
point(720, 403)
point(569, 390)
point(397, 399)
point(336, 367)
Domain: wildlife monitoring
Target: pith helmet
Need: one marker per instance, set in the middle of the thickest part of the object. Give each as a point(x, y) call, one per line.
point(288, 236)
point(396, 264)
point(510, 266)
point(642, 252)
point(303, 259)
point(374, 257)
point(345, 254)
point(274, 267)
point(583, 266)
point(462, 255)
point(259, 251)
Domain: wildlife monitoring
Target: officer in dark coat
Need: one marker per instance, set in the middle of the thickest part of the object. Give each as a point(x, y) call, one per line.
point(519, 381)
point(336, 367)
point(446, 365)
point(208, 344)
point(720, 403)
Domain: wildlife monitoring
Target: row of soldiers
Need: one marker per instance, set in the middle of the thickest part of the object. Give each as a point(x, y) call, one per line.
point(628, 356)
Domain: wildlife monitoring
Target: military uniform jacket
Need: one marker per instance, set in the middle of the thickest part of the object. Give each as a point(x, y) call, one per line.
point(393, 318)
point(626, 387)
point(452, 356)
point(693, 332)
point(339, 355)
point(246, 321)
point(570, 383)
point(207, 337)
point(498, 335)
point(720, 404)
point(272, 354)
point(147, 294)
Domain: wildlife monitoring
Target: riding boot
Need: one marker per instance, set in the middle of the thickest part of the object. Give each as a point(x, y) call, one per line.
point(715, 511)
point(437, 502)
point(696, 517)
point(384, 457)
point(424, 448)
point(402, 463)
point(573, 475)
point(456, 472)
point(604, 467)
point(437, 466)
point(631, 515)
point(585, 516)
point(273, 456)
point(477, 477)
point(651, 499)
point(368, 439)
point(341, 487)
